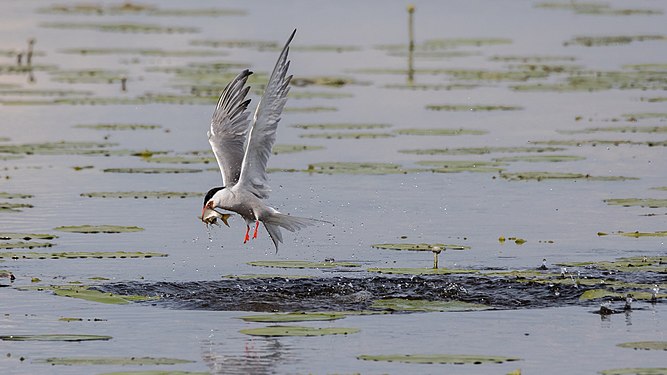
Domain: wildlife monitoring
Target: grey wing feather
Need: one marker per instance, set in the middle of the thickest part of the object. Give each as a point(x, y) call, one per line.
point(263, 131)
point(229, 127)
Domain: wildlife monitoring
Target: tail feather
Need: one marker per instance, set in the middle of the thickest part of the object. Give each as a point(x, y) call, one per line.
point(292, 223)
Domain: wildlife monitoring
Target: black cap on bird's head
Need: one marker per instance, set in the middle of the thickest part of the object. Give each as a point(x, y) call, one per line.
point(212, 192)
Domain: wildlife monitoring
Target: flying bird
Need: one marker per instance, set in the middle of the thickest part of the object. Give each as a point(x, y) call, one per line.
point(242, 149)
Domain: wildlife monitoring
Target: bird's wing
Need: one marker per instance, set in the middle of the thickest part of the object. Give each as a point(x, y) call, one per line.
point(229, 127)
point(263, 131)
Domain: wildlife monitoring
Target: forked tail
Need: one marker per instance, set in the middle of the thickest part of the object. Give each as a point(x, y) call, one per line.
point(291, 223)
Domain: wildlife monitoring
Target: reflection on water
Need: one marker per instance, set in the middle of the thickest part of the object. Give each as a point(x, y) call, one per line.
point(259, 356)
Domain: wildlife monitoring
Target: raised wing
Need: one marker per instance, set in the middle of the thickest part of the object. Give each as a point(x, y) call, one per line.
point(263, 131)
point(229, 127)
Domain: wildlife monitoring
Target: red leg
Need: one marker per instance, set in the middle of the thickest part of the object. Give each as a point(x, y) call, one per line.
point(254, 235)
point(247, 236)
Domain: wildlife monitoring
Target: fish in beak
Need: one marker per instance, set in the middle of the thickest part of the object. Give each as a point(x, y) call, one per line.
point(210, 216)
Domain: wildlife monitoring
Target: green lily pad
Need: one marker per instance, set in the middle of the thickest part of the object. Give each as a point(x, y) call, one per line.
point(420, 271)
point(457, 359)
point(181, 159)
point(663, 188)
point(110, 127)
point(638, 234)
point(13, 207)
point(341, 126)
point(26, 236)
point(635, 371)
point(479, 150)
point(293, 317)
point(356, 168)
point(85, 293)
point(153, 52)
point(23, 245)
point(135, 9)
point(421, 305)
point(540, 158)
point(440, 131)
point(98, 229)
point(620, 129)
point(420, 246)
point(112, 361)
point(289, 149)
point(151, 170)
point(540, 176)
point(80, 254)
point(55, 337)
point(594, 41)
point(645, 345)
point(141, 194)
point(453, 166)
point(121, 27)
point(280, 331)
point(347, 135)
point(57, 148)
point(300, 264)
point(266, 276)
point(471, 107)
point(597, 9)
point(641, 202)
point(629, 264)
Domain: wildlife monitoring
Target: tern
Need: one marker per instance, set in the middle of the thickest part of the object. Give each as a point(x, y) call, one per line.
point(242, 149)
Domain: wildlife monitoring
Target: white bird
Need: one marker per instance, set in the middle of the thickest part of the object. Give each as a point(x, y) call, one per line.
point(242, 150)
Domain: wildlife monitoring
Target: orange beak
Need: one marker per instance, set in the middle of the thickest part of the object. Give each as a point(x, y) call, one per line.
point(203, 210)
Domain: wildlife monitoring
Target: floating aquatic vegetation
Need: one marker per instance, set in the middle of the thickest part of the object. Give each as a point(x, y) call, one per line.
point(236, 43)
point(439, 131)
point(280, 331)
point(154, 52)
point(431, 86)
point(181, 159)
point(420, 305)
point(597, 9)
point(111, 361)
point(655, 99)
point(539, 158)
point(645, 115)
point(98, 229)
point(88, 76)
point(135, 8)
point(93, 295)
point(635, 371)
point(455, 166)
point(594, 294)
point(663, 188)
point(293, 317)
point(341, 126)
point(26, 236)
point(300, 264)
point(325, 81)
point(596, 142)
point(141, 194)
point(532, 58)
point(420, 246)
point(420, 271)
point(647, 66)
point(456, 359)
point(447, 43)
point(471, 107)
point(638, 234)
point(22, 69)
point(541, 176)
point(629, 264)
point(641, 202)
point(601, 80)
point(151, 170)
point(480, 150)
point(267, 276)
point(22, 245)
point(44, 92)
point(324, 48)
point(619, 129)
point(13, 207)
point(289, 149)
point(121, 27)
point(644, 345)
point(109, 127)
point(55, 337)
point(347, 135)
point(80, 254)
point(57, 148)
point(356, 168)
point(594, 41)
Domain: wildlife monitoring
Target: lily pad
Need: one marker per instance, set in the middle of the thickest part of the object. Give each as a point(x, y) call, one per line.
point(641, 202)
point(109, 127)
point(80, 254)
point(540, 176)
point(23, 245)
point(26, 236)
point(597, 9)
point(55, 337)
point(347, 135)
point(289, 149)
point(480, 150)
point(13, 207)
point(153, 52)
point(356, 168)
point(440, 131)
point(98, 229)
point(452, 166)
point(629, 264)
point(420, 271)
point(341, 126)
point(421, 305)
point(152, 170)
point(540, 158)
point(645, 345)
point(457, 359)
point(121, 27)
point(420, 246)
point(620, 129)
point(293, 317)
point(280, 331)
point(638, 234)
point(141, 194)
point(57, 148)
point(594, 41)
point(300, 264)
point(112, 361)
point(635, 371)
point(471, 107)
point(181, 159)
point(85, 293)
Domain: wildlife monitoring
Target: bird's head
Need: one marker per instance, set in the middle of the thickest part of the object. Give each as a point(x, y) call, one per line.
point(209, 203)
